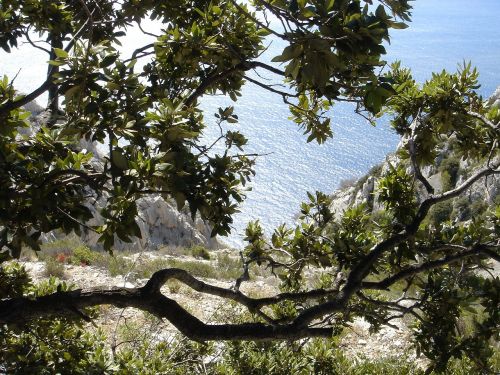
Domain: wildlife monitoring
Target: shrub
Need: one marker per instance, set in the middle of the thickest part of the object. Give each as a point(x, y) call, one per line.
point(84, 255)
point(229, 267)
point(496, 200)
point(446, 181)
point(374, 171)
point(462, 209)
point(175, 250)
point(48, 345)
point(478, 208)
point(64, 245)
point(54, 266)
point(199, 251)
point(116, 265)
point(347, 183)
point(322, 357)
point(381, 217)
point(13, 280)
point(146, 269)
point(195, 268)
point(441, 212)
point(63, 258)
point(65, 346)
point(450, 167)
point(173, 286)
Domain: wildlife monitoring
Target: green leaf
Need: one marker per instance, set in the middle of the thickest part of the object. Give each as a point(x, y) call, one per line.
point(399, 25)
point(108, 60)
point(119, 160)
point(289, 53)
point(72, 91)
point(60, 53)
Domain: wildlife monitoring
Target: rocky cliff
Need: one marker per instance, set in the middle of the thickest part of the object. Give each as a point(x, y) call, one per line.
point(448, 171)
point(160, 222)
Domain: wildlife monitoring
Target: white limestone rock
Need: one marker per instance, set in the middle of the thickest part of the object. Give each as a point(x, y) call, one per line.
point(160, 222)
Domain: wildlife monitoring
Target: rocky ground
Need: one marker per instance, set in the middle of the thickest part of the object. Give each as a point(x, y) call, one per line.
point(357, 341)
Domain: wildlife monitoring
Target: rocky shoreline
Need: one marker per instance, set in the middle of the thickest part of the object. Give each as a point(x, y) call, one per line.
point(364, 190)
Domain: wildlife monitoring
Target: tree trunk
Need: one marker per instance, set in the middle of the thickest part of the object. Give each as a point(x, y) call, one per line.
point(53, 100)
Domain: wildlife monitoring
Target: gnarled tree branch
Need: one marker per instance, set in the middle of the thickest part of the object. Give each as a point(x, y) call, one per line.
point(360, 271)
point(150, 299)
point(418, 268)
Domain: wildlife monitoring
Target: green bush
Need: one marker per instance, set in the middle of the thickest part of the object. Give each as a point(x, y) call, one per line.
point(63, 245)
point(322, 357)
point(229, 267)
point(199, 251)
point(496, 199)
point(347, 183)
point(54, 267)
point(381, 217)
point(84, 255)
point(374, 171)
point(478, 208)
point(179, 357)
point(65, 346)
point(441, 212)
point(195, 268)
point(115, 264)
point(462, 209)
point(449, 168)
point(176, 251)
point(174, 286)
point(446, 181)
point(144, 270)
point(13, 280)
point(48, 345)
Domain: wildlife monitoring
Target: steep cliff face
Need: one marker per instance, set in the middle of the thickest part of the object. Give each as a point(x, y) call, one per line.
point(161, 224)
point(448, 171)
point(160, 221)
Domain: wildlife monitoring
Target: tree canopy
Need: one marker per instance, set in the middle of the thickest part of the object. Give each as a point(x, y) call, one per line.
point(144, 110)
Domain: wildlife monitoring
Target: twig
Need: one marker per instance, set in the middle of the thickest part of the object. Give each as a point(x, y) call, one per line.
point(413, 156)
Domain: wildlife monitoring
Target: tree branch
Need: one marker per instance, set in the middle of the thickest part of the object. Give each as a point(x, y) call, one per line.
point(33, 44)
point(261, 24)
point(353, 282)
point(484, 120)
point(360, 271)
point(209, 81)
point(216, 77)
point(272, 69)
point(432, 200)
point(271, 89)
point(415, 269)
point(13, 104)
point(142, 50)
point(150, 299)
point(54, 175)
point(413, 157)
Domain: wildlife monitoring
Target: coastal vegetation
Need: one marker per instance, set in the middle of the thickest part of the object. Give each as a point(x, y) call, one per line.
point(427, 257)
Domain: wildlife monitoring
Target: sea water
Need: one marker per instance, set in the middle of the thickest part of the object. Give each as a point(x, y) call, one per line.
point(442, 34)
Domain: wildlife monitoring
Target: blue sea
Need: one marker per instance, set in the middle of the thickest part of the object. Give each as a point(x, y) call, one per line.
point(442, 34)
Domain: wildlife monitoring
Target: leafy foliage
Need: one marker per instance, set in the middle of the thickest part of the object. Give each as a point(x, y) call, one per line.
point(147, 115)
point(148, 118)
point(49, 345)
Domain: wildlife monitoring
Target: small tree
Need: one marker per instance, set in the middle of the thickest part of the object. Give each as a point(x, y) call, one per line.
point(148, 118)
